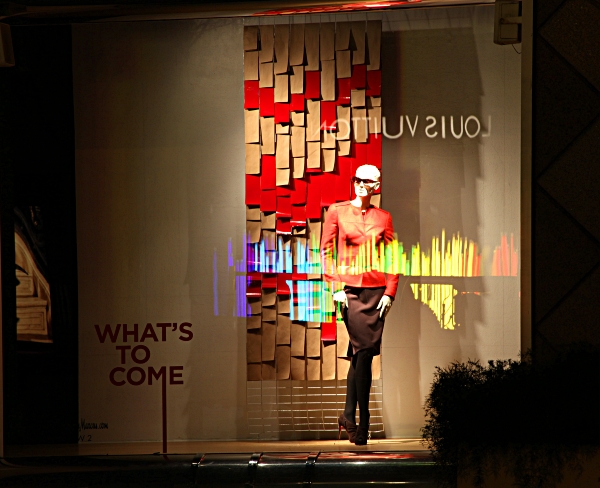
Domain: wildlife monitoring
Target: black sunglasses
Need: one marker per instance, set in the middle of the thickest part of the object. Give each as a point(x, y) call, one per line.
point(357, 181)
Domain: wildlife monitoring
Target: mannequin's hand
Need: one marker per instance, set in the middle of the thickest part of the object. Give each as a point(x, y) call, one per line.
point(384, 306)
point(341, 298)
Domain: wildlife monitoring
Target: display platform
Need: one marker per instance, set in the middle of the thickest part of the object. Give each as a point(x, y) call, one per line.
point(308, 463)
point(141, 448)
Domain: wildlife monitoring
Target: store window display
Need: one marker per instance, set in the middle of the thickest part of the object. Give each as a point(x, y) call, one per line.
point(364, 295)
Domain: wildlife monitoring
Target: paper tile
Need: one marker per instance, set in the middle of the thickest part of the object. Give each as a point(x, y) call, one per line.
point(266, 43)
point(298, 337)
point(313, 154)
point(282, 129)
point(374, 44)
point(267, 133)
point(313, 120)
point(343, 65)
point(282, 88)
point(298, 119)
point(255, 306)
point(342, 36)
point(298, 141)
point(298, 243)
point(313, 343)
point(283, 362)
point(357, 98)
point(269, 331)
point(266, 79)
point(282, 36)
point(344, 125)
point(374, 83)
point(253, 193)
point(297, 44)
point(373, 102)
point(342, 340)
point(313, 85)
point(268, 371)
point(266, 102)
point(267, 220)
point(376, 200)
point(299, 215)
point(268, 203)
point(269, 299)
point(253, 322)
point(251, 119)
point(328, 360)
point(343, 365)
point(314, 233)
point(298, 368)
point(360, 128)
point(251, 91)
point(357, 42)
point(375, 120)
point(297, 80)
point(328, 160)
point(254, 372)
point(327, 41)
point(283, 151)
point(283, 329)
point(253, 229)
point(269, 314)
point(328, 80)
point(299, 165)
point(250, 38)
point(252, 213)
point(253, 343)
point(252, 159)
point(284, 210)
point(311, 44)
point(297, 103)
point(343, 148)
point(267, 177)
point(359, 77)
point(251, 65)
point(283, 302)
point(328, 140)
point(313, 369)
point(343, 91)
point(283, 176)
point(282, 113)
point(376, 367)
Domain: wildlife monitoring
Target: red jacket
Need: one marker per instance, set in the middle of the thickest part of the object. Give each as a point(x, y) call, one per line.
point(347, 244)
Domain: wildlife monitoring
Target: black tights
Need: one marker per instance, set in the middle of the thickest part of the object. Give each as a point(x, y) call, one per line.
point(359, 386)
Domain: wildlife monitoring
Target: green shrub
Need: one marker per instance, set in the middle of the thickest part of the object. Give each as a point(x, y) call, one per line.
point(525, 418)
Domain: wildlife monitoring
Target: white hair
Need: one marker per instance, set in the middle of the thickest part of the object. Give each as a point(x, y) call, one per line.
point(371, 169)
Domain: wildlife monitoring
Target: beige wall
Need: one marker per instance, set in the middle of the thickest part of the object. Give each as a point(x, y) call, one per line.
point(160, 185)
point(160, 191)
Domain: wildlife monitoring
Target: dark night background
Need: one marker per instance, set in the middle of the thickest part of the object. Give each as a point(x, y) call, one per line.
point(37, 168)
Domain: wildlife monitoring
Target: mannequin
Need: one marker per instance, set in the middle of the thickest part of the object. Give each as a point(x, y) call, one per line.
point(362, 292)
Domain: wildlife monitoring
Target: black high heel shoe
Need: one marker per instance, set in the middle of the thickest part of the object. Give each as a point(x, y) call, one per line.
point(362, 435)
point(350, 428)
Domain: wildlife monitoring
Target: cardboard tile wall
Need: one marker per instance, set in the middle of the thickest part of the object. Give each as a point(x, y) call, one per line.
point(312, 101)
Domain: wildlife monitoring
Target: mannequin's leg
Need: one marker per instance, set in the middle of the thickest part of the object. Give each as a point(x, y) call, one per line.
point(351, 398)
point(362, 380)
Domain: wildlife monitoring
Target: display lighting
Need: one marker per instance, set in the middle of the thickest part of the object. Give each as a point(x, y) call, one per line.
point(328, 9)
point(505, 261)
point(440, 299)
point(453, 257)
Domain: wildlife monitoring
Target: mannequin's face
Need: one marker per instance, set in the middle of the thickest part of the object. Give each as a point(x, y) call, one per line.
point(366, 182)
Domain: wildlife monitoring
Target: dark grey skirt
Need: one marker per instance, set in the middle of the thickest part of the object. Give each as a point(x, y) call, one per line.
point(362, 319)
